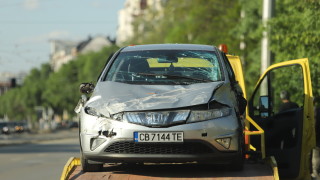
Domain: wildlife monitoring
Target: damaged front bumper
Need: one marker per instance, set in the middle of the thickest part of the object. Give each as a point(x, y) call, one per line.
point(106, 140)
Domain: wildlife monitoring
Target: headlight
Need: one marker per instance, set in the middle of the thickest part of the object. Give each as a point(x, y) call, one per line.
point(208, 114)
point(160, 118)
point(92, 111)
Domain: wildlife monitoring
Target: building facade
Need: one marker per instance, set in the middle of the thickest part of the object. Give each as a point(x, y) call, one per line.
point(63, 51)
point(132, 10)
point(5, 86)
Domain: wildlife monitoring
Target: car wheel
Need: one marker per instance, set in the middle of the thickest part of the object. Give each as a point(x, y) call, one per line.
point(87, 167)
point(237, 163)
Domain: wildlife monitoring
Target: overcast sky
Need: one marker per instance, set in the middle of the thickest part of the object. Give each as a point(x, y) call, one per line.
point(26, 26)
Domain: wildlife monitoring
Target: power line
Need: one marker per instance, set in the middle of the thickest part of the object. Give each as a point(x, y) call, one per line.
point(57, 22)
point(18, 4)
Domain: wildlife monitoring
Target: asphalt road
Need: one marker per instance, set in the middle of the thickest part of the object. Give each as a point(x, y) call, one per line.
point(44, 159)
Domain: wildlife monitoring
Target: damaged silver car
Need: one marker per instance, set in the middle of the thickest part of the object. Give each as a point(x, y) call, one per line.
point(163, 103)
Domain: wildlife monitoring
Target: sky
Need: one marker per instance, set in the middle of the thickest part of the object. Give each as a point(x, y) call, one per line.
point(26, 26)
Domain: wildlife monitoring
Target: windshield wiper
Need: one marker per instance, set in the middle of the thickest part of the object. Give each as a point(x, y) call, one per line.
point(175, 77)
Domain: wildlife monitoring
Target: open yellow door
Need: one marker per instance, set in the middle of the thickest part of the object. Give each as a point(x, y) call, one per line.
point(282, 104)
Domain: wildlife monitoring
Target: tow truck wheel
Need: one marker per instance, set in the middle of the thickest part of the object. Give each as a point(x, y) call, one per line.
point(86, 167)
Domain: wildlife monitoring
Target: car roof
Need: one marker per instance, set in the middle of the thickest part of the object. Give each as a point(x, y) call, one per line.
point(169, 47)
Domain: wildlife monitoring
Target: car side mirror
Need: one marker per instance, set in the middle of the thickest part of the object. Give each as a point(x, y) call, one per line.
point(264, 106)
point(86, 88)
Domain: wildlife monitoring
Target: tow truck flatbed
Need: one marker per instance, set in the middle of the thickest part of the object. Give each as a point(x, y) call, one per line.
point(256, 171)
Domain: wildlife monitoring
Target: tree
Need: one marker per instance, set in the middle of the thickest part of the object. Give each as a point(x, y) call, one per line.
point(57, 90)
point(296, 34)
point(249, 31)
point(190, 21)
point(19, 103)
point(62, 92)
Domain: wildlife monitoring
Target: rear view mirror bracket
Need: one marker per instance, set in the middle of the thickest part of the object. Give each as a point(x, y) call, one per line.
point(86, 88)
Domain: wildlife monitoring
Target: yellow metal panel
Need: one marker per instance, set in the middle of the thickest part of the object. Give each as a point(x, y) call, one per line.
point(237, 68)
point(273, 163)
point(72, 162)
point(259, 132)
point(182, 62)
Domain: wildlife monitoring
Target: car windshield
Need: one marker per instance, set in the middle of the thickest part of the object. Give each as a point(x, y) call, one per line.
point(165, 67)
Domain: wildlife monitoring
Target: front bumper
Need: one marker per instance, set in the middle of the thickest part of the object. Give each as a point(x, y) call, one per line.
point(199, 144)
point(212, 157)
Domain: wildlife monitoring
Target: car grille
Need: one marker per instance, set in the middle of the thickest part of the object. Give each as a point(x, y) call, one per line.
point(157, 148)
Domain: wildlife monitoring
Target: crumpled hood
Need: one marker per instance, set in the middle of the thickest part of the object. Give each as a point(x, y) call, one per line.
point(113, 97)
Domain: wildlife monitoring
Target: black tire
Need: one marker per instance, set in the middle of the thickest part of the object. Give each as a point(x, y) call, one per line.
point(237, 163)
point(86, 167)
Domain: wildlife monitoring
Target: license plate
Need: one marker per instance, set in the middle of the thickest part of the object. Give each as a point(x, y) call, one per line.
point(158, 137)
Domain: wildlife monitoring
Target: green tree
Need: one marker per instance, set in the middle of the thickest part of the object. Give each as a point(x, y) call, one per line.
point(57, 90)
point(62, 92)
point(190, 21)
point(295, 33)
point(249, 30)
point(19, 103)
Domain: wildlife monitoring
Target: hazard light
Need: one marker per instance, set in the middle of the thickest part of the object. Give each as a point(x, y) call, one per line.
point(223, 48)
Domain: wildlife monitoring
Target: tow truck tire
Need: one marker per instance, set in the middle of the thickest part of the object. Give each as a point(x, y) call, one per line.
point(86, 167)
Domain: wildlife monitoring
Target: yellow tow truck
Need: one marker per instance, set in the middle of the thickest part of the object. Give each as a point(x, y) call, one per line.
point(279, 145)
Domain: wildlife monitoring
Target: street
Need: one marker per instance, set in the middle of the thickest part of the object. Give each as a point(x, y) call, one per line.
point(42, 160)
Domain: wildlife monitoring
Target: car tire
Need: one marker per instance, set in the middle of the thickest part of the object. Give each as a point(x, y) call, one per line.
point(237, 163)
point(87, 167)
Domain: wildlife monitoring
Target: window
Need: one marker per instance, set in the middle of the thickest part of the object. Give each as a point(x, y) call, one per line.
point(165, 67)
point(288, 79)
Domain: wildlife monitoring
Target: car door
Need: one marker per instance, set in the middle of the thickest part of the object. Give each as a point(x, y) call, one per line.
point(289, 134)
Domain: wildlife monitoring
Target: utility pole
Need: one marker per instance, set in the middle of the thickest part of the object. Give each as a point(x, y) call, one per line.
point(265, 49)
point(242, 42)
point(267, 10)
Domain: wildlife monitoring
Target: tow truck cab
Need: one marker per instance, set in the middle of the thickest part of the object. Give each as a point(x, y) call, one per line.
point(288, 136)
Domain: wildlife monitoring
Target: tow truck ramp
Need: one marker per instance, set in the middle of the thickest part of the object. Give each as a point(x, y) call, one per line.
point(266, 170)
